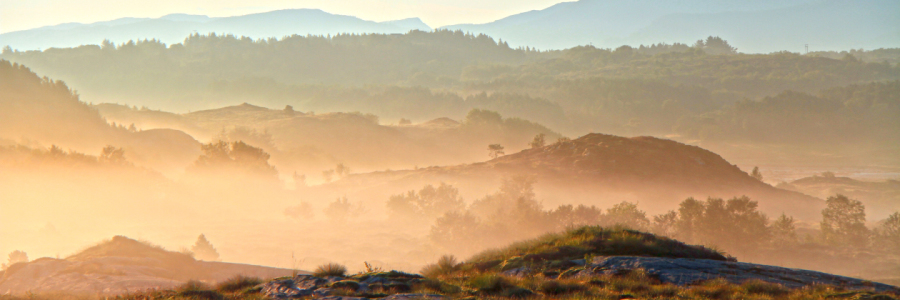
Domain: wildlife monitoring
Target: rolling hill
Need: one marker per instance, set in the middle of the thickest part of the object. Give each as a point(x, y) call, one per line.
point(44, 112)
point(601, 169)
point(118, 266)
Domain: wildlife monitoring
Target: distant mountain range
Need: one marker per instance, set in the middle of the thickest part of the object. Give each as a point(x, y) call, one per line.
point(752, 26)
point(758, 26)
point(174, 28)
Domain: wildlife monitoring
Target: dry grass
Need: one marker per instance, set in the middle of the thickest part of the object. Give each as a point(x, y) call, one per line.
point(330, 269)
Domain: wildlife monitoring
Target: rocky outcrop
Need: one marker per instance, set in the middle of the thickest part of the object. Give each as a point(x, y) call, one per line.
point(370, 285)
point(686, 271)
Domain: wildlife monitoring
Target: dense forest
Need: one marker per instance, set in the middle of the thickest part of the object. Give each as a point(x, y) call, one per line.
point(706, 92)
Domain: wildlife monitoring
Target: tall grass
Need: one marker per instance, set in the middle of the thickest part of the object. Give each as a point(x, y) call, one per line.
point(330, 269)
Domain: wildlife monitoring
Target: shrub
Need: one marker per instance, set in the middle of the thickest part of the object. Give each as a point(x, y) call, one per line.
point(238, 283)
point(489, 283)
point(554, 287)
point(765, 288)
point(197, 290)
point(330, 269)
point(445, 265)
point(517, 292)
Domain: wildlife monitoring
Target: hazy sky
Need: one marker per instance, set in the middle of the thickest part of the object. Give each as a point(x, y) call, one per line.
point(26, 14)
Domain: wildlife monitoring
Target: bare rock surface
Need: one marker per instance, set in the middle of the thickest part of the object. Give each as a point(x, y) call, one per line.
point(686, 271)
point(375, 284)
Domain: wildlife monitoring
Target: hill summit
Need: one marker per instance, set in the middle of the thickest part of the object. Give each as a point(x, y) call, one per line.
point(120, 265)
point(657, 173)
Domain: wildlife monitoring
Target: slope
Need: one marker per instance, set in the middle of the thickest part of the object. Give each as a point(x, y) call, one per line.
point(602, 169)
point(46, 112)
point(118, 266)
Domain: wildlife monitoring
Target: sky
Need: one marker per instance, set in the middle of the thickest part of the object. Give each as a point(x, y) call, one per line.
point(18, 15)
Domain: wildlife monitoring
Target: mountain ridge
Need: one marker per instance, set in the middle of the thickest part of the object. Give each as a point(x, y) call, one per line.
point(613, 24)
point(173, 28)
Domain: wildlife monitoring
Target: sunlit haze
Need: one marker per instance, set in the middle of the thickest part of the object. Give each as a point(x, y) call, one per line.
point(20, 15)
point(388, 150)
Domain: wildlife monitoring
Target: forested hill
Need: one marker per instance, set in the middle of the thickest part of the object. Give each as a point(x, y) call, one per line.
point(787, 25)
point(659, 89)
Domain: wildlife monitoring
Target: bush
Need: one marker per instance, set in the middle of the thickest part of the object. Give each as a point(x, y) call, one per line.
point(330, 269)
point(489, 283)
point(764, 288)
point(445, 265)
point(192, 285)
point(238, 283)
point(197, 290)
point(517, 292)
point(553, 287)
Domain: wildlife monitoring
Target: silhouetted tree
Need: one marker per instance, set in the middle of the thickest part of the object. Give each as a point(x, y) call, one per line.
point(627, 214)
point(15, 257)
point(756, 174)
point(538, 141)
point(237, 156)
point(460, 231)
point(664, 224)
point(715, 45)
point(204, 250)
point(844, 222)
point(341, 170)
point(889, 233)
point(341, 209)
point(429, 202)
point(299, 180)
point(732, 224)
point(495, 150)
point(113, 155)
point(784, 231)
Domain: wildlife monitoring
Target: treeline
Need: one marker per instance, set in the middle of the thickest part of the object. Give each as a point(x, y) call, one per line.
point(733, 225)
point(657, 89)
point(345, 59)
point(862, 114)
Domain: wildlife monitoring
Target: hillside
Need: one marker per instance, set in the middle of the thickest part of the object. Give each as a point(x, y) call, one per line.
point(580, 263)
point(881, 198)
point(309, 143)
point(171, 29)
point(826, 25)
point(842, 104)
point(46, 112)
point(118, 266)
point(604, 169)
